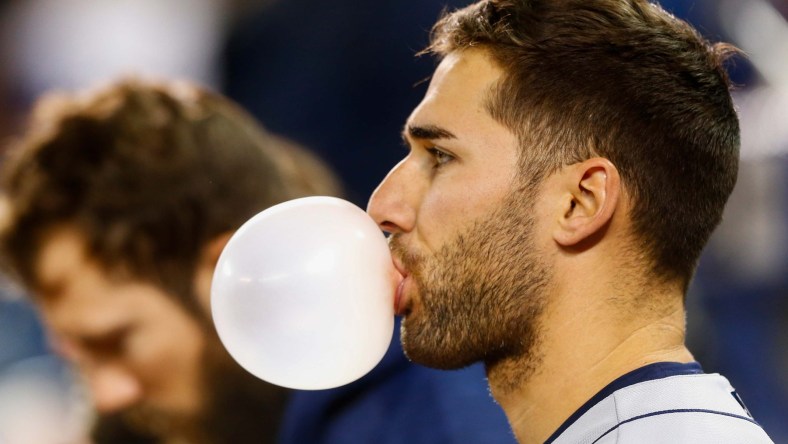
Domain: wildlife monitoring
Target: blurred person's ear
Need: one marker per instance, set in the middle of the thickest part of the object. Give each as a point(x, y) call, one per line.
point(206, 264)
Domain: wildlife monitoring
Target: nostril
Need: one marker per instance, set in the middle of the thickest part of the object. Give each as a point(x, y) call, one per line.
point(388, 227)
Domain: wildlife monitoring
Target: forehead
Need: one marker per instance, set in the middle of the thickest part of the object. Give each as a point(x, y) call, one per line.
point(61, 253)
point(78, 297)
point(62, 261)
point(460, 88)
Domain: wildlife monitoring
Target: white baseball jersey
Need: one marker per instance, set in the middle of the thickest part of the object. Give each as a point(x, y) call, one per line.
point(663, 403)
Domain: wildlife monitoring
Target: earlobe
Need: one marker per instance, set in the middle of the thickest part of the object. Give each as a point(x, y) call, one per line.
point(589, 200)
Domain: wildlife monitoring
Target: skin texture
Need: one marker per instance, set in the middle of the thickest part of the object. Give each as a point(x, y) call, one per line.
point(487, 277)
point(541, 282)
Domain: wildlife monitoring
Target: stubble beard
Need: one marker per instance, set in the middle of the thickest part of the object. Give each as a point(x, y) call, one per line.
point(481, 295)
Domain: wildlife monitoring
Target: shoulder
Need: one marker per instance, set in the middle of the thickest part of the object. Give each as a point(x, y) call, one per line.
point(679, 409)
point(686, 426)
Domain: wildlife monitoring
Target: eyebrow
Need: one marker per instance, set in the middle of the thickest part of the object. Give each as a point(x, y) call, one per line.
point(427, 132)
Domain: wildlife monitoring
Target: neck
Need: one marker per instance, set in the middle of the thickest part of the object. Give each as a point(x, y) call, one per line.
point(583, 346)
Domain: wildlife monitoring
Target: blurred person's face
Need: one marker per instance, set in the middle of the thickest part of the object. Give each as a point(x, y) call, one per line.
point(136, 347)
point(145, 358)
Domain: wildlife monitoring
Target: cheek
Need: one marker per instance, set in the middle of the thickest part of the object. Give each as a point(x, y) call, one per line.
point(439, 217)
point(445, 213)
point(167, 356)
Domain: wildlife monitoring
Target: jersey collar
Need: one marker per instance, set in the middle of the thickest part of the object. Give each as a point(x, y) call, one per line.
point(650, 372)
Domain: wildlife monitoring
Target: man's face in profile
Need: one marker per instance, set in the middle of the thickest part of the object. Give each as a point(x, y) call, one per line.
point(464, 228)
point(148, 363)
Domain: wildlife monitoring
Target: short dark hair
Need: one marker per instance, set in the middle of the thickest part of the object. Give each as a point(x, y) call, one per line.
point(148, 173)
point(621, 79)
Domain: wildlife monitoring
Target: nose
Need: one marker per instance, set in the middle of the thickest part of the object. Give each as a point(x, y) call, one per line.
point(113, 388)
point(393, 205)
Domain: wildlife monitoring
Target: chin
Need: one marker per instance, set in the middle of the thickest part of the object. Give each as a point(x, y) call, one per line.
point(438, 360)
point(425, 346)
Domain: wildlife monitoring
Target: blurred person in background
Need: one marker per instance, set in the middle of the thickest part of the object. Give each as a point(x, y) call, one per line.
point(118, 202)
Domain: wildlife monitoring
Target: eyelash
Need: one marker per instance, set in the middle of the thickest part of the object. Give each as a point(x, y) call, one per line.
point(441, 157)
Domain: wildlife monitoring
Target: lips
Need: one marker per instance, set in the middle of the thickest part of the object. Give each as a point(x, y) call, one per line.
point(400, 302)
point(398, 307)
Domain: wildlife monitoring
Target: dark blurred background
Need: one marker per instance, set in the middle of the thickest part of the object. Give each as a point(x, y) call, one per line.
point(341, 77)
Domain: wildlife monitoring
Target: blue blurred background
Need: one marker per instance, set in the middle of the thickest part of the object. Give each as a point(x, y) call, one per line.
point(340, 77)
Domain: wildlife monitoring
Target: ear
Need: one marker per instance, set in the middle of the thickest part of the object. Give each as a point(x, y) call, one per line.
point(213, 249)
point(203, 275)
point(590, 197)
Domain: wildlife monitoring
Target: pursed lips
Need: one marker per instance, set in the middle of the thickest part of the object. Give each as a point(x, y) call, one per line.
point(399, 304)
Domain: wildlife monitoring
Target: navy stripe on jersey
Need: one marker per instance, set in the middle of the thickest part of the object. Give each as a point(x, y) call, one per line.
point(649, 372)
point(667, 412)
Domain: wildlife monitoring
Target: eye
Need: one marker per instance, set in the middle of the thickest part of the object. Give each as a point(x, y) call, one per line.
point(441, 157)
point(110, 344)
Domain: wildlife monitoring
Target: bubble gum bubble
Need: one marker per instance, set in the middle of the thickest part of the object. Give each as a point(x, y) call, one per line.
point(302, 295)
